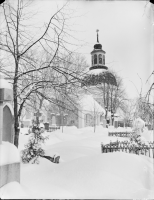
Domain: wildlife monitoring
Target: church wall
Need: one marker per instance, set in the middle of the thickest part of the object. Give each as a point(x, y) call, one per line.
point(80, 119)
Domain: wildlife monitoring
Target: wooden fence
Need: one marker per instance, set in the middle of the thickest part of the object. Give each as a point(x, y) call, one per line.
point(128, 147)
point(120, 134)
point(53, 128)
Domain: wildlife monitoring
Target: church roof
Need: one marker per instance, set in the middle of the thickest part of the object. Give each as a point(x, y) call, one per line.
point(94, 69)
point(89, 104)
point(98, 50)
point(98, 46)
point(95, 77)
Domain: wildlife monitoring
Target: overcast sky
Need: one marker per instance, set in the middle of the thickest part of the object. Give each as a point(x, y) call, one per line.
point(125, 32)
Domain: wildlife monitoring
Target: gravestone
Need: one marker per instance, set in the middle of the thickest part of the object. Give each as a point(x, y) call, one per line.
point(116, 120)
point(9, 170)
point(104, 123)
point(53, 120)
point(7, 124)
point(115, 124)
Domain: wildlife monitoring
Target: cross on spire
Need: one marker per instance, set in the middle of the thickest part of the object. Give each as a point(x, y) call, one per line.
point(97, 35)
point(37, 115)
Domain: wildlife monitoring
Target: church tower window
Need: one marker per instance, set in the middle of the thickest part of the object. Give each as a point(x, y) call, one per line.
point(100, 58)
point(103, 59)
point(95, 59)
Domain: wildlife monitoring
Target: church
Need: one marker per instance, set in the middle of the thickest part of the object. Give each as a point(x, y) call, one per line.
point(90, 110)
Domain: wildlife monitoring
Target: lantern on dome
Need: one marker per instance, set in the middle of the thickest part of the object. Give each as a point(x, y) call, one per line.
point(98, 72)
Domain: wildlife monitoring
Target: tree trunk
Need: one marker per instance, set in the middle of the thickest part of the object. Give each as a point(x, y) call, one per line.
point(15, 85)
point(62, 122)
point(94, 123)
point(16, 120)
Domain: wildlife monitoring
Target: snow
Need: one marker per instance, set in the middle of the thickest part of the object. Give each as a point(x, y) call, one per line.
point(83, 171)
point(120, 129)
point(8, 153)
point(88, 103)
point(148, 135)
point(13, 190)
point(96, 71)
point(4, 83)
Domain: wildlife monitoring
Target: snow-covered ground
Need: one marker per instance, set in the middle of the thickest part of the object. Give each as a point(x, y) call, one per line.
point(83, 171)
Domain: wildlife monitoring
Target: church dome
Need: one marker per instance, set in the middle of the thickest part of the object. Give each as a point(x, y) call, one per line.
point(93, 79)
point(97, 46)
point(98, 72)
point(98, 57)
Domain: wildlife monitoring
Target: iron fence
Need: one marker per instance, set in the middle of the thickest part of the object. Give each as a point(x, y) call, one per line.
point(128, 147)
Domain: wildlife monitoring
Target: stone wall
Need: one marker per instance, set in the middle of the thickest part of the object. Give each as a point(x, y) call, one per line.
point(9, 173)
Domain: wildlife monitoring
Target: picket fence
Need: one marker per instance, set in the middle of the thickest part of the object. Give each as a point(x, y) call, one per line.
point(53, 128)
point(128, 147)
point(120, 134)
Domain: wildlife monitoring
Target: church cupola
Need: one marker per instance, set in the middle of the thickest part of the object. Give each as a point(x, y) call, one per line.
point(98, 73)
point(98, 56)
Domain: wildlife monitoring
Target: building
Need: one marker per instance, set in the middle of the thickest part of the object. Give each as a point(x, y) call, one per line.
point(89, 110)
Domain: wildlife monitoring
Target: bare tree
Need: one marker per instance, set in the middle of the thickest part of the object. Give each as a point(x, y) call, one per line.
point(150, 92)
point(144, 110)
point(142, 106)
point(95, 113)
point(25, 49)
point(129, 111)
point(66, 96)
point(111, 96)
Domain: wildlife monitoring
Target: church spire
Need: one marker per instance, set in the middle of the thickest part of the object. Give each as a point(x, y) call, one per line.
point(98, 56)
point(97, 35)
point(97, 45)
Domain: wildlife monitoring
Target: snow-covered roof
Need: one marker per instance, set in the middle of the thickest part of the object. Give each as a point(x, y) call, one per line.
point(4, 83)
point(96, 71)
point(8, 153)
point(88, 103)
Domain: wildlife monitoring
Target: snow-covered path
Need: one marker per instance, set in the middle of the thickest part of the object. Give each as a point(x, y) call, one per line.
point(83, 171)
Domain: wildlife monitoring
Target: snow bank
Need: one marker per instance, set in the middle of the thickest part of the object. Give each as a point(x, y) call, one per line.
point(110, 176)
point(84, 172)
point(114, 175)
point(14, 190)
point(38, 178)
point(8, 153)
point(69, 129)
point(73, 133)
point(89, 131)
point(123, 129)
point(69, 133)
point(148, 135)
point(24, 130)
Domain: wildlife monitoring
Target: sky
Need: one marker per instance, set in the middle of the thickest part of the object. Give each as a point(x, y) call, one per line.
point(125, 32)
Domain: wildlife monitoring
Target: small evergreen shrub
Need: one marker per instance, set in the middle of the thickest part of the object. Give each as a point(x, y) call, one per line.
point(33, 149)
